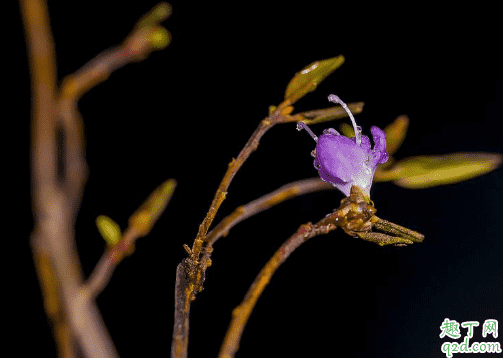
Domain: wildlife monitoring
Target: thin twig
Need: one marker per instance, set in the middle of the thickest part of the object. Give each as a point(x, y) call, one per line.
point(137, 46)
point(198, 266)
point(140, 224)
point(105, 267)
point(286, 192)
point(241, 313)
point(232, 169)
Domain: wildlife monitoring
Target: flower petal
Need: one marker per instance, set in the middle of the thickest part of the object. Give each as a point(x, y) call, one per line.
point(365, 143)
point(341, 162)
point(379, 153)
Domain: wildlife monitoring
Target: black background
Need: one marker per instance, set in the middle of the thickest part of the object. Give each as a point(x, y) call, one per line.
point(186, 111)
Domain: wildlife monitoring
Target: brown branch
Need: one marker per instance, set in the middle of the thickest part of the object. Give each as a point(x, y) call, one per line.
point(232, 169)
point(140, 224)
point(265, 202)
point(241, 313)
point(105, 267)
point(197, 267)
point(136, 47)
point(180, 342)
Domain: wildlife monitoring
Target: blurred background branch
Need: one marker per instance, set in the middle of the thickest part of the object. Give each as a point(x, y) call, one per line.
point(58, 181)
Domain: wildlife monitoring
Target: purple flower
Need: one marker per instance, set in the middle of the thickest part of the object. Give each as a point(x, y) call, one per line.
point(344, 162)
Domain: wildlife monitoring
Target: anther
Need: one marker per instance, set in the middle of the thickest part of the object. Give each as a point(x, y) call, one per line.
point(302, 125)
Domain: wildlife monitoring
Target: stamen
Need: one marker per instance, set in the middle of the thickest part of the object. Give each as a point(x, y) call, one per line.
point(302, 125)
point(358, 130)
